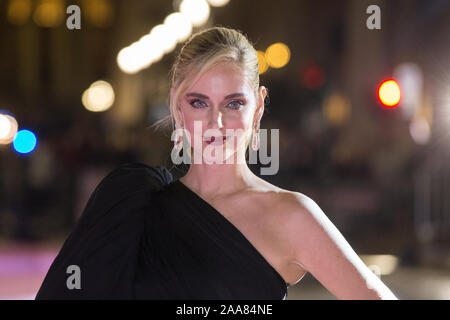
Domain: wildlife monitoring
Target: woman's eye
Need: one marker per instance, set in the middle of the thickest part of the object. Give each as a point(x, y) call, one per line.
point(236, 104)
point(197, 104)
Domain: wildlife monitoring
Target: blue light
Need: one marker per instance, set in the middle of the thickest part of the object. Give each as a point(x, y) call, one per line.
point(25, 141)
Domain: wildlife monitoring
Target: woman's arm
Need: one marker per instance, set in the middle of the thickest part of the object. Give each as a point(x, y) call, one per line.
point(323, 251)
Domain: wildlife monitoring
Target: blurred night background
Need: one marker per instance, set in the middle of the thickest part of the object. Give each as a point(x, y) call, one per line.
point(380, 173)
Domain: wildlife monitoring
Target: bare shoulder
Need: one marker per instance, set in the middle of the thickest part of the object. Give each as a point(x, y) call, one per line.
point(303, 221)
point(298, 213)
point(294, 213)
point(319, 248)
point(281, 200)
point(290, 203)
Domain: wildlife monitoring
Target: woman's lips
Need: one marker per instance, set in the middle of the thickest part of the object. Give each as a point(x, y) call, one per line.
point(216, 140)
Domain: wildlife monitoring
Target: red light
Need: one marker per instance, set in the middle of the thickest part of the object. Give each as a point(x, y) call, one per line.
point(389, 93)
point(313, 77)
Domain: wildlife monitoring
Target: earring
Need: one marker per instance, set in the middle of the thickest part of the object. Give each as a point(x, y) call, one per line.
point(255, 138)
point(178, 142)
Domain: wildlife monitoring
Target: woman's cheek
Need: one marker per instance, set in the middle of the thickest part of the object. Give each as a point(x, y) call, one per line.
point(195, 129)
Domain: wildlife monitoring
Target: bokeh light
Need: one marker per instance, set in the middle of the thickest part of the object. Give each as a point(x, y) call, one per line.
point(99, 13)
point(278, 55)
point(25, 141)
point(19, 11)
point(218, 3)
point(127, 59)
point(336, 109)
point(149, 49)
point(49, 13)
point(164, 37)
point(8, 127)
point(146, 51)
point(389, 93)
point(385, 263)
point(179, 25)
point(420, 130)
point(262, 62)
point(410, 78)
point(98, 97)
point(313, 77)
point(197, 11)
point(5, 126)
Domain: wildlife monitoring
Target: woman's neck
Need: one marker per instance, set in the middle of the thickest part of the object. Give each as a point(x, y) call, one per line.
point(218, 179)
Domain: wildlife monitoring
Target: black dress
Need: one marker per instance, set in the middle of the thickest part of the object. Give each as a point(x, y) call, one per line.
point(143, 235)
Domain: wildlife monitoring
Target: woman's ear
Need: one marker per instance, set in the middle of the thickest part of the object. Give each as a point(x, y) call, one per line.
point(262, 93)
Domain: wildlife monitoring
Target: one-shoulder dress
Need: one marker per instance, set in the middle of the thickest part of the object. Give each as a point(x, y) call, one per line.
point(144, 235)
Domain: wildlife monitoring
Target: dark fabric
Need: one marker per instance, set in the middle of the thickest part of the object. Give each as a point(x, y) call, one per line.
point(144, 236)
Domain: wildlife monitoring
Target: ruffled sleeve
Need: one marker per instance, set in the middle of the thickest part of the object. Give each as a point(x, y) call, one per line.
point(104, 245)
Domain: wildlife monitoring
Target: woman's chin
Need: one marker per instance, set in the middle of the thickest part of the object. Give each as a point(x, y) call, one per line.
point(222, 157)
point(217, 155)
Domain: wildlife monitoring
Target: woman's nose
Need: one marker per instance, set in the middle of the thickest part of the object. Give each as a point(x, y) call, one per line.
point(216, 120)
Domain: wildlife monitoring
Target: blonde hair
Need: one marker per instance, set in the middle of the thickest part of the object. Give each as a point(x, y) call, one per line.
point(204, 50)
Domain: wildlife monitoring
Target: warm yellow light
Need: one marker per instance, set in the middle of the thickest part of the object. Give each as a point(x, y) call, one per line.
point(8, 128)
point(426, 109)
point(49, 13)
point(129, 60)
point(148, 51)
point(179, 25)
point(420, 130)
point(19, 11)
point(218, 3)
point(126, 62)
point(278, 55)
point(99, 97)
point(262, 62)
point(384, 263)
point(336, 109)
point(197, 11)
point(5, 126)
point(389, 93)
point(164, 37)
point(98, 12)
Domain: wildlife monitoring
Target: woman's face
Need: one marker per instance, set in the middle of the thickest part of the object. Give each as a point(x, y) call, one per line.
point(218, 111)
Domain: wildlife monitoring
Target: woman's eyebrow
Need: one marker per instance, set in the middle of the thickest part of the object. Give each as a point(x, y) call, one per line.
point(202, 96)
point(197, 95)
point(234, 95)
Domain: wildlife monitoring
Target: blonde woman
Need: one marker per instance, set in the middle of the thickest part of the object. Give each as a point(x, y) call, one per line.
point(220, 231)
